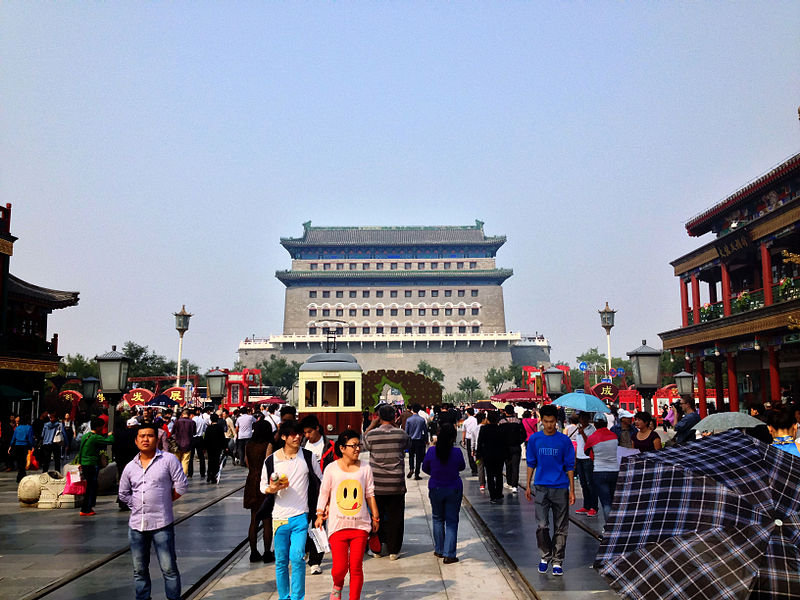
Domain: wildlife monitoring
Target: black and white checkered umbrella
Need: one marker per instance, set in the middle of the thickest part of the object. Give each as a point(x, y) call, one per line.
point(714, 519)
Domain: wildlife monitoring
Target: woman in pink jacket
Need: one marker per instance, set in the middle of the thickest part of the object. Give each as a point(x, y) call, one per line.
point(347, 489)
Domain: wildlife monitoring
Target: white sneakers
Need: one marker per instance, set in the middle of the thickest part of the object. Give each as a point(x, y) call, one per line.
point(316, 569)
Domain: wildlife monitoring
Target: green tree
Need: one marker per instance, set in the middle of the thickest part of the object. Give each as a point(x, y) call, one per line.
point(469, 385)
point(429, 371)
point(146, 363)
point(280, 373)
point(515, 374)
point(495, 378)
point(79, 366)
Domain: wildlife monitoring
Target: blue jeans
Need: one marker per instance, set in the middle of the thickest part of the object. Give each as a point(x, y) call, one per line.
point(290, 546)
point(164, 541)
point(605, 482)
point(445, 506)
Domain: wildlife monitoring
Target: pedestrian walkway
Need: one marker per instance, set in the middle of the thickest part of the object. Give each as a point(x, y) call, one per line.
point(417, 574)
point(41, 546)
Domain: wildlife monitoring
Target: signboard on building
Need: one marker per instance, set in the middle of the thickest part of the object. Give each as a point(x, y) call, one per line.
point(733, 244)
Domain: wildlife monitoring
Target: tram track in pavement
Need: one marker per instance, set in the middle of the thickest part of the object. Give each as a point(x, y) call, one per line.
point(55, 586)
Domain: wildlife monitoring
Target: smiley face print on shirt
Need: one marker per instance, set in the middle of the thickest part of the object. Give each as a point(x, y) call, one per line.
point(350, 497)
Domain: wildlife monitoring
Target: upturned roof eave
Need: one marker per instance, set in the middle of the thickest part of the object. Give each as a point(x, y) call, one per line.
point(701, 224)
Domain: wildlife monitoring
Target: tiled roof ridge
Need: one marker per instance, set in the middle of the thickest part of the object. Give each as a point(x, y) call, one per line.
point(742, 192)
point(400, 234)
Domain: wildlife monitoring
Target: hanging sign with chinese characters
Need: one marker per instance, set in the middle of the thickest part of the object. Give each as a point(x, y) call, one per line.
point(177, 394)
point(71, 396)
point(607, 392)
point(138, 396)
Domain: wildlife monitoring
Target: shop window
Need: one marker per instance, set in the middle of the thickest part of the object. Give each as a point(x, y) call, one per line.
point(330, 393)
point(349, 388)
point(311, 393)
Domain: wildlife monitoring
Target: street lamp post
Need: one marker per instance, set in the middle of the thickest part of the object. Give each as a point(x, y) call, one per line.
point(113, 380)
point(646, 363)
point(607, 322)
point(90, 385)
point(552, 379)
point(182, 325)
point(215, 384)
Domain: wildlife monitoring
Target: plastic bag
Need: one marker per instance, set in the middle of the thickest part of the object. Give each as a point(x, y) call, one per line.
point(32, 464)
point(74, 487)
point(319, 536)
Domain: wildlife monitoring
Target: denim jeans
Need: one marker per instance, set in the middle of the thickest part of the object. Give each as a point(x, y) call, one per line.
point(555, 500)
point(164, 541)
point(445, 507)
point(585, 468)
point(605, 482)
point(290, 547)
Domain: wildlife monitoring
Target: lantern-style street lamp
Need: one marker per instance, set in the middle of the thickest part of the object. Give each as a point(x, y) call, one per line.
point(552, 379)
point(607, 322)
point(646, 363)
point(215, 385)
point(685, 383)
point(182, 325)
point(113, 380)
point(90, 385)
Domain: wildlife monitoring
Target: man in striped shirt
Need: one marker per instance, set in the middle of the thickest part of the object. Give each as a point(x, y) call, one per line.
point(387, 444)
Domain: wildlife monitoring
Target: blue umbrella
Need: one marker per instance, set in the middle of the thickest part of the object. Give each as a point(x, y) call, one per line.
point(582, 402)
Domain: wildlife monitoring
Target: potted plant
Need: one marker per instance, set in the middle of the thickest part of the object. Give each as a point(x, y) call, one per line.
point(743, 300)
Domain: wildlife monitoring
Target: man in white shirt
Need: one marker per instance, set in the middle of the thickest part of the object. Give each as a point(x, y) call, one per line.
point(296, 489)
point(469, 438)
point(584, 465)
point(244, 431)
point(197, 444)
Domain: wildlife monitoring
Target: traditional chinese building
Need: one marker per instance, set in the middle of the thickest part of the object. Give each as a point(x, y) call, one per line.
point(739, 292)
point(26, 354)
point(394, 296)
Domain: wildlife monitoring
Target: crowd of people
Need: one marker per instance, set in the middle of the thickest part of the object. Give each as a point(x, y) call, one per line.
point(297, 477)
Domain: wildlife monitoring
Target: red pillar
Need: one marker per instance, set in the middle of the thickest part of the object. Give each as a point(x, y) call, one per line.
point(684, 303)
point(718, 384)
point(733, 385)
point(695, 299)
point(766, 274)
point(774, 376)
point(726, 291)
point(701, 387)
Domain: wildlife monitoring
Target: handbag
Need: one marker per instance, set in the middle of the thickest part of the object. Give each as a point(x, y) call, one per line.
point(375, 542)
point(102, 460)
point(58, 438)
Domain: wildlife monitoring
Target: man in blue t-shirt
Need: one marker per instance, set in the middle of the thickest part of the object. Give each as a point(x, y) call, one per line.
point(552, 456)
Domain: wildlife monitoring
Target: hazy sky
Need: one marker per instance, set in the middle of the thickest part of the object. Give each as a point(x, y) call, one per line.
point(154, 153)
